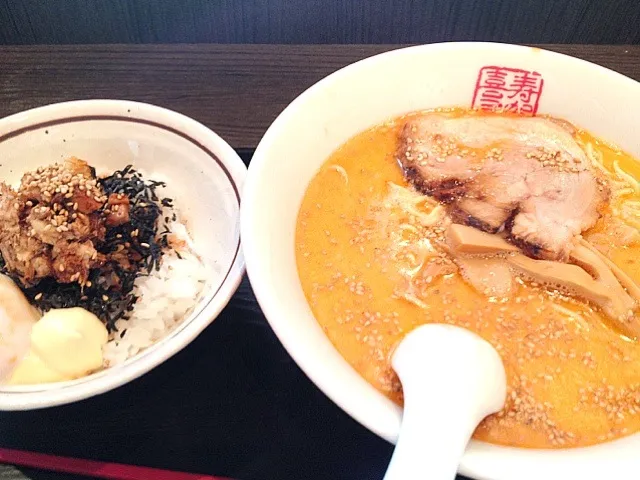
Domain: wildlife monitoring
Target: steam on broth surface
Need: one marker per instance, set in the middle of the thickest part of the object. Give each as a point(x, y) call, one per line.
point(376, 258)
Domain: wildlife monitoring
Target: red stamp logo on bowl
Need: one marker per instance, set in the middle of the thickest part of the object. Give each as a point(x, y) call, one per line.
point(507, 90)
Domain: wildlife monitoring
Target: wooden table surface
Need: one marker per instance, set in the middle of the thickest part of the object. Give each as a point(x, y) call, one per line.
point(233, 403)
point(237, 90)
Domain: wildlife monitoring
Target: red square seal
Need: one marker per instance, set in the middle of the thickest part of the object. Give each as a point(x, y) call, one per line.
point(507, 90)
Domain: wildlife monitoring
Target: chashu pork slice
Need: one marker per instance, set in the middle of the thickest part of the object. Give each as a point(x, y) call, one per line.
point(525, 175)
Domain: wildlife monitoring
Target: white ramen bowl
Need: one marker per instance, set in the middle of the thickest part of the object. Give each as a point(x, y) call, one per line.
point(368, 93)
point(204, 176)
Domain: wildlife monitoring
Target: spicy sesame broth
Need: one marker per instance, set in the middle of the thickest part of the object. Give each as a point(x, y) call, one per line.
point(573, 380)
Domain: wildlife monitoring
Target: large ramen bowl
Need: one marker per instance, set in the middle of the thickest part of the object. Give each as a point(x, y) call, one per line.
point(204, 176)
point(367, 93)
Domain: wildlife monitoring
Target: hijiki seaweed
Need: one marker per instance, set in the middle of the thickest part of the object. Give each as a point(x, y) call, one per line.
point(132, 249)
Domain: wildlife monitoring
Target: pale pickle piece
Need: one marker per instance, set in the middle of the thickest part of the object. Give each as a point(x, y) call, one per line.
point(471, 241)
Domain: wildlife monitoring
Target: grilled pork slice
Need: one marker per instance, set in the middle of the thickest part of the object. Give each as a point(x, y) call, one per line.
point(51, 224)
point(524, 174)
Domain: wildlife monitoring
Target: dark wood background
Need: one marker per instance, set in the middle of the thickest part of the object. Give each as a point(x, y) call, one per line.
point(236, 90)
point(318, 21)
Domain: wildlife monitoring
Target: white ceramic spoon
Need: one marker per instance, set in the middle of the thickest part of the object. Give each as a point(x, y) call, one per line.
point(451, 379)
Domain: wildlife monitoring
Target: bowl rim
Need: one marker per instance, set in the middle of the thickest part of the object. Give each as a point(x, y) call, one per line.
point(205, 311)
point(484, 455)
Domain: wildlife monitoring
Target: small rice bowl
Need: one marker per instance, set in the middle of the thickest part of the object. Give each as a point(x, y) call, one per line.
point(202, 172)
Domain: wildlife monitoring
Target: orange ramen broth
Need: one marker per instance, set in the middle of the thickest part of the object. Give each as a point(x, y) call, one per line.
point(573, 379)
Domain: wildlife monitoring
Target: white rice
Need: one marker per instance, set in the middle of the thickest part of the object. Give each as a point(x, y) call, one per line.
point(165, 298)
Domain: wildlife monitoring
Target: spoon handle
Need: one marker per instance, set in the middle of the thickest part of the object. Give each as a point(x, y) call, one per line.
point(451, 380)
